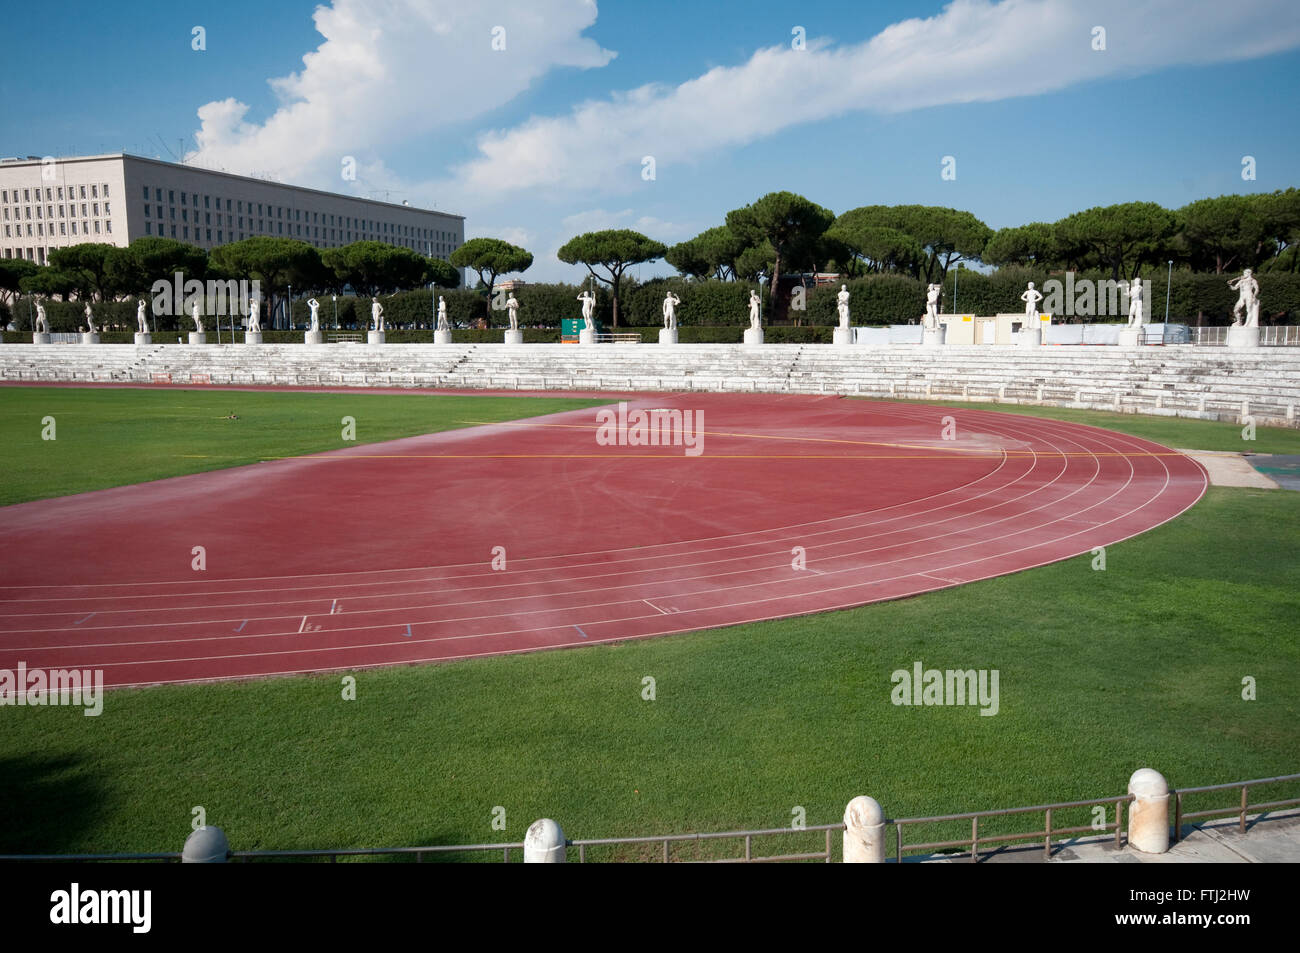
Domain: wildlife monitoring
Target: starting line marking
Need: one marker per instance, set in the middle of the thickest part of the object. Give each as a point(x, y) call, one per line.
point(580, 632)
point(407, 633)
point(79, 621)
point(244, 623)
point(655, 607)
point(303, 624)
point(333, 606)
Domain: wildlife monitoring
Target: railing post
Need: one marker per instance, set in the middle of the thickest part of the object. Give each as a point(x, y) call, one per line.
point(1148, 818)
point(864, 832)
point(544, 843)
point(207, 845)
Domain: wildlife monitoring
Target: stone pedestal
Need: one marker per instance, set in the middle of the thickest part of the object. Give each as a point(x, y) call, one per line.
point(753, 335)
point(441, 337)
point(667, 335)
point(586, 337)
point(517, 337)
point(253, 337)
point(1130, 337)
point(375, 337)
point(40, 337)
point(1030, 337)
point(198, 337)
point(143, 338)
point(314, 337)
point(89, 337)
point(842, 336)
point(934, 336)
point(1243, 337)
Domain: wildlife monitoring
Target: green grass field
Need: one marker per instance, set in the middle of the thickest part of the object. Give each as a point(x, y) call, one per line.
point(115, 437)
point(1101, 672)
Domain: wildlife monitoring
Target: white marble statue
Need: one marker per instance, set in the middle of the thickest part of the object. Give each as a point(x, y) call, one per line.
point(754, 302)
point(42, 325)
point(315, 313)
point(1031, 298)
point(442, 314)
point(376, 314)
point(140, 318)
point(1136, 317)
point(1247, 300)
point(588, 299)
point(255, 314)
point(194, 313)
point(512, 311)
point(842, 304)
point(932, 294)
point(671, 301)
point(90, 320)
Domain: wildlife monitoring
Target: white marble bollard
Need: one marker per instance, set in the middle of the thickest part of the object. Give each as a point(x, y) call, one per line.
point(207, 845)
point(753, 335)
point(441, 337)
point(1243, 336)
point(375, 337)
point(864, 832)
point(667, 335)
point(1148, 815)
point(198, 337)
point(544, 843)
point(514, 337)
point(842, 336)
point(143, 338)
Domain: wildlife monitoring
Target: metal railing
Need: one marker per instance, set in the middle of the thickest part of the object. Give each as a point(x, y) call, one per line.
point(1280, 335)
point(618, 339)
point(1045, 834)
point(664, 854)
point(1241, 810)
point(335, 337)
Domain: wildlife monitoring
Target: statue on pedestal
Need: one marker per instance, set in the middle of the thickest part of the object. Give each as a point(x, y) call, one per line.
point(670, 311)
point(588, 299)
point(512, 311)
point(754, 302)
point(376, 314)
point(932, 293)
point(194, 313)
point(254, 314)
point(442, 314)
point(42, 325)
point(140, 319)
point(842, 304)
point(1135, 305)
point(1247, 300)
point(315, 313)
point(90, 319)
point(1031, 299)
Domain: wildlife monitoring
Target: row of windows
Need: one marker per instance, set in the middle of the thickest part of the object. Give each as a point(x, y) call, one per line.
point(54, 193)
point(38, 254)
point(280, 212)
point(40, 231)
point(334, 239)
point(48, 210)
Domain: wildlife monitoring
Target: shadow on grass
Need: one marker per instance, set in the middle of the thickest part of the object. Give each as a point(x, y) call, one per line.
point(48, 804)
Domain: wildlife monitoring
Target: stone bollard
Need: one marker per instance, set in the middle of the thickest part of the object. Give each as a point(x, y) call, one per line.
point(207, 845)
point(1148, 815)
point(864, 832)
point(544, 843)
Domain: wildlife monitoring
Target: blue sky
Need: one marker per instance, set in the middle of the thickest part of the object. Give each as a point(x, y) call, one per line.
point(545, 138)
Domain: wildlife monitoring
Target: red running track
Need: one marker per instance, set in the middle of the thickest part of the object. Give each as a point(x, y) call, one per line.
point(381, 554)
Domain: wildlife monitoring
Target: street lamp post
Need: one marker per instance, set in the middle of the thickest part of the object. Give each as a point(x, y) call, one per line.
point(288, 311)
point(1168, 283)
point(956, 273)
point(335, 299)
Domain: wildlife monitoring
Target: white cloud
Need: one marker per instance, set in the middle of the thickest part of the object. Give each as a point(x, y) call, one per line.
point(393, 70)
point(973, 51)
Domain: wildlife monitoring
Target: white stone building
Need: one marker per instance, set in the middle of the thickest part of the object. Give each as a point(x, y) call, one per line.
point(53, 203)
